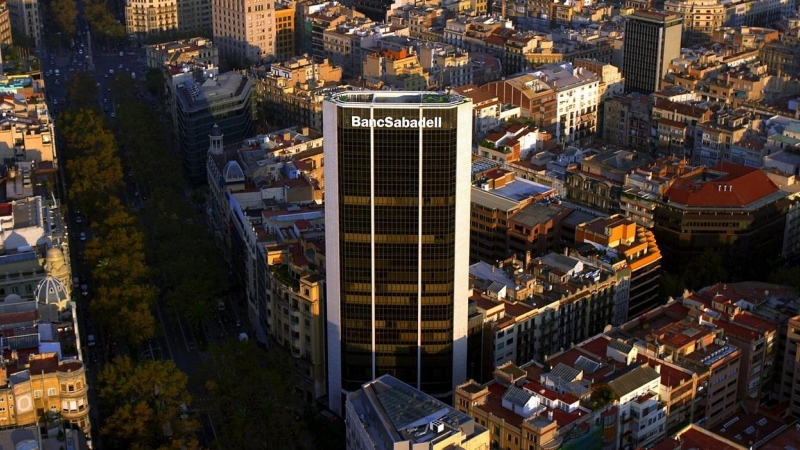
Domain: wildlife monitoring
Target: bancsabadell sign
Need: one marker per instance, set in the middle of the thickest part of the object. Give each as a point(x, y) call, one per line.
point(391, 122)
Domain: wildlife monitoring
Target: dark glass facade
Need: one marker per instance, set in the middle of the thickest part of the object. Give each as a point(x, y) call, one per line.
point(397, 189)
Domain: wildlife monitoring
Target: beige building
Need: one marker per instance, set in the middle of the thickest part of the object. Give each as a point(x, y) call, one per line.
point(144, 17)
point(293, 90)
point(26, 19)
point(397, 69)
point(31, 385)
point(196, 50)
point(295, 316)
point(5, 24)
point(284, 31)
point(244, 31)
point(194, 17)
point(790, 369)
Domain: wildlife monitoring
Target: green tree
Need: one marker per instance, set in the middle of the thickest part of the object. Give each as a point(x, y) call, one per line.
point(705, 270)
point(102, 20)
point(143, 400)
point(155, 82)
point(82, 90)
point(95, 178)
point(64, 13)
point(786, 276)
point(251, 393)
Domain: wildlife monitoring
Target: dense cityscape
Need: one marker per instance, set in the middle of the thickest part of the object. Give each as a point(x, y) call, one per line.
point(396, 224)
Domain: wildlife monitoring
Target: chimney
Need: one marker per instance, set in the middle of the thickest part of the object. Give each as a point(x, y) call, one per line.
point(527, 258)
point(549, 414)
point(287, 135)
point(305, 131)
point(566, 251)
point(658, 368)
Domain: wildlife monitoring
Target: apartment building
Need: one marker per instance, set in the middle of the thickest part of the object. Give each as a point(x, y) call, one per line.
point(285, 16)
point(688, 219)
point(387, 413)
point(701, 18)
point(627, 122)
point(34, 380)
point(676, 124)
point(326, 18)
point(25, 17)
point(489, 224)
point(691, 342)
point(522, 412)
point(295, 317)
point(647, 184)
point(790, 369)
point(26, 133)
point(244, 31)
point(537, 100)
point(400, 70)
point(487, 111)
point(198, 104)
point(292, 92)
point(598, 180)
point(511, 143)
point(144, 18)
point(621, 238)
point(755, 336)
point(612, 84)
point(194, 17)
point(446, 65)
point(536, 229)
point(547, 304)
point(577, 98)
point(5, 24)
point(346, 43)
point(197, 50)
point(716, 138)
point(497, 195)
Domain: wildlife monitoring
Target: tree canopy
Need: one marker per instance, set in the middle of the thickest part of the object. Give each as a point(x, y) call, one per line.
point(252, 395)
point(145, 403)
point(64, 13)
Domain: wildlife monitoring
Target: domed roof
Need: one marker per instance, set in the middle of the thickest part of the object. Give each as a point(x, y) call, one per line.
point(12, 298)
point(216, 131)
point(54, 252)
point(50, 291)
point(232, 172)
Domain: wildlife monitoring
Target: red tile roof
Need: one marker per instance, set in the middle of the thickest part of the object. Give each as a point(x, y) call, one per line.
point(738, 187)
point(540, 389)
point(597, 346)
point(670, 376)
point(705, 440)
point(755, 322)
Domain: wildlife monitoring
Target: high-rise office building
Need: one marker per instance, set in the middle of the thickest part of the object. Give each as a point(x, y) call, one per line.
point(652, 40)
point(397, 199)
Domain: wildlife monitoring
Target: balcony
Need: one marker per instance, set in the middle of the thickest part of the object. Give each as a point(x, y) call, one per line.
point(75, 413)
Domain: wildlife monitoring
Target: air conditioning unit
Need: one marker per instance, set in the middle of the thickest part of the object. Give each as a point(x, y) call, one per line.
point(437, 426)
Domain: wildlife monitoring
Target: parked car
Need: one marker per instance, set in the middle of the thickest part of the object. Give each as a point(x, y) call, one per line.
point(90, 340)
point(83, 236)
point(84, 290)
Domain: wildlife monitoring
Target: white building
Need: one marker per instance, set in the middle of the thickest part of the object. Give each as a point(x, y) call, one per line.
point(637, 398)
point(577, 90)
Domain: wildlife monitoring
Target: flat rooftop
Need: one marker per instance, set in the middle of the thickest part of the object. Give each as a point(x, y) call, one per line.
point(380, 98)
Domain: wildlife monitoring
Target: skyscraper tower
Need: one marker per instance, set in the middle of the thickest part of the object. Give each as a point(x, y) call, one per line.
point(397, 196)
point(652, 40)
